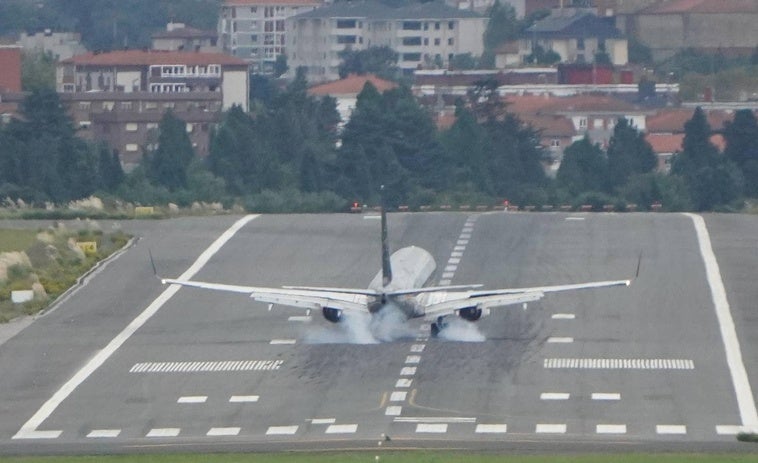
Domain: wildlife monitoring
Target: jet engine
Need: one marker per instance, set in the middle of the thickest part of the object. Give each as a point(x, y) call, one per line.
point(332, 314)
point(472, 314)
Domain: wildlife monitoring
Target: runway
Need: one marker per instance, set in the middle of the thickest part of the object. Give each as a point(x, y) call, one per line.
point(127, 364)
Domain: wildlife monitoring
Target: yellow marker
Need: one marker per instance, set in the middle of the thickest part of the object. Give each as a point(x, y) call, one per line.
point(87, 246)
point(144, 210)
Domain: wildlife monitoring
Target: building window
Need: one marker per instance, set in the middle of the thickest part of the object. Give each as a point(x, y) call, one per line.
point(84, 105)
point(451, 25)
point(346, 39)
point(132, 127)
point(151, 105)
point(85, 124)
point(411, 41)
point(346, 23)
point(450, 41)
point(253, 9)
point(126, 105)
point(411, 25)
point(436, 41)
point(190, 128)
point(411, 57)
point(436, 26)
point(555, 142)
point(108, 105)
point(151, 126)
point(132, 147)
point(582, 122)
point(580, 44)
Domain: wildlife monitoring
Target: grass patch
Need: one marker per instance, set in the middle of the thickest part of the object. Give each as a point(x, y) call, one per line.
point(393, 457)
point(56, 264)
point(16, 240)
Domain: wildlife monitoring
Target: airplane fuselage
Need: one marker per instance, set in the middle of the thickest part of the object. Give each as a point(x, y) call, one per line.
point(412, 267)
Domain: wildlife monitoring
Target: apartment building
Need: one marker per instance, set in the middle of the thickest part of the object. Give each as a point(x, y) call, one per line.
point(120, 97)
point(423, 35)
point(254, 30)
point(577, 35)
point(62, 45)
point(179, 37)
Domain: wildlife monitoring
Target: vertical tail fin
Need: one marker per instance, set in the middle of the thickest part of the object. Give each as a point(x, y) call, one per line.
point(386, 267)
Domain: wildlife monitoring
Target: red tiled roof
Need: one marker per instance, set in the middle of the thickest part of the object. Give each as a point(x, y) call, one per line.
point(672, 143)
point(535, 104)
point(150, 57)
point(550, 125)
point(351, 85)
point(703, 6)
point(673, 120)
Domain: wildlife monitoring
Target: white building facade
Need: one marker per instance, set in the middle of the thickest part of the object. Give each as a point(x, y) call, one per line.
point(254, 30)
point(424, 35)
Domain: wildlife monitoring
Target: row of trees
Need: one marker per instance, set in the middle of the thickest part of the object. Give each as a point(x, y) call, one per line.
point(292, 154)
point(701, 177)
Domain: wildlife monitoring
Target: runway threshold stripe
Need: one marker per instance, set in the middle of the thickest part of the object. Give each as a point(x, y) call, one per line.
point(618, 364)
point(28, 429)
point(743, 391)
point(205, 367)
point(104, 433)
point(215, 432)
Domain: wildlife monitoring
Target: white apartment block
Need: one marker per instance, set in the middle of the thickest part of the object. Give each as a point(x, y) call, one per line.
point(254, 30)
point(423, 34)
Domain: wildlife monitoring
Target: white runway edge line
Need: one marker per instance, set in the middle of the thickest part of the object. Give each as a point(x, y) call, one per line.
point(740, 381)
point(29, 429)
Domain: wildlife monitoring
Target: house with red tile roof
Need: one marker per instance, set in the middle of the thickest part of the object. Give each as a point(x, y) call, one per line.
point(10, 68)
point(120, 97)
point(346, 91)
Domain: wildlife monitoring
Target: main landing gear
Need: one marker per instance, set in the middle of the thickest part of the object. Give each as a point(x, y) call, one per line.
point(438, 326)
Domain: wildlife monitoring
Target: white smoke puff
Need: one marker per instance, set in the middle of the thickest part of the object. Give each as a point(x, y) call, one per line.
point(391, 324)
point(353, 329)
point(461, 331)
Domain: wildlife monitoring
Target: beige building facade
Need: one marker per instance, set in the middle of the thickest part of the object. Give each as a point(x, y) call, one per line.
point(254, 30)
point(424, 35)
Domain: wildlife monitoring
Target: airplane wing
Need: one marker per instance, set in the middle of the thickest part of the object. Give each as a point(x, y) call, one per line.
point(447, 303)
point(316, 298)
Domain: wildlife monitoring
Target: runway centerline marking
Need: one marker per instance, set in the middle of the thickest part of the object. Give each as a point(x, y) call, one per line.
point(742, 389)
point(618, 364)
point(29, 429)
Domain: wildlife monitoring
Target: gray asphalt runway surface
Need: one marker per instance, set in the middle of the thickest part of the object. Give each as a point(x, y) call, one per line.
point(128, 365)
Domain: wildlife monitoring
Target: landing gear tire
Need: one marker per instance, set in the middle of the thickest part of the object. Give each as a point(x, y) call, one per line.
point(438, 326)
point(435, 330)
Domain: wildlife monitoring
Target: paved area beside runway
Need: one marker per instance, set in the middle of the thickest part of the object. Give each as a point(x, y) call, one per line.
point(644, 364)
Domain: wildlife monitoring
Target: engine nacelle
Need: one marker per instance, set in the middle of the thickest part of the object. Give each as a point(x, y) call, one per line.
point(332, 314)
point(472, 314)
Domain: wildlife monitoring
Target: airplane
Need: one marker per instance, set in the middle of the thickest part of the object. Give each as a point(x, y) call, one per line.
point(400, 283)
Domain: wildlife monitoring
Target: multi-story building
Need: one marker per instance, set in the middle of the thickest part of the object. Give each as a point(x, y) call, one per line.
point(423, 35)
point(577, 35)
point(179, 37)
point(62, 45)
point(254, 30)
point(10, 68)
point(120, 97)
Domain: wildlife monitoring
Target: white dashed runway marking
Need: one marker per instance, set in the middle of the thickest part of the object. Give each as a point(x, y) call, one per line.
point(619, 364)
point(323, 420)
point(275, 342)
point(491, 428)
point(195, 367)
point(606, 396)
point(671, 429)
point(437, 428)
point(611, 429)
point(563, 316)
point(393, 410)
point(550, 429)
point(217, 432)
point(555, 396)
point(193, 399)
point(101, 433)
point(163, 432)
point(342, 429)
point(398, 396)
point(281, 430)
point(403, 382)
point(243, 398)
point(560, 340)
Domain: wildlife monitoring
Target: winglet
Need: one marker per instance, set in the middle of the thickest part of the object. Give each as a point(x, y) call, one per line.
point(639, 262)
point(155, 270)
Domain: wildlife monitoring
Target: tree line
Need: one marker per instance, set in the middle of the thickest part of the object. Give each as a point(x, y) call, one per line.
point(292, 154)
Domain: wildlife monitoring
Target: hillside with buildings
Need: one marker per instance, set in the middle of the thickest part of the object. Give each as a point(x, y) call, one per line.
point(567, 72)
